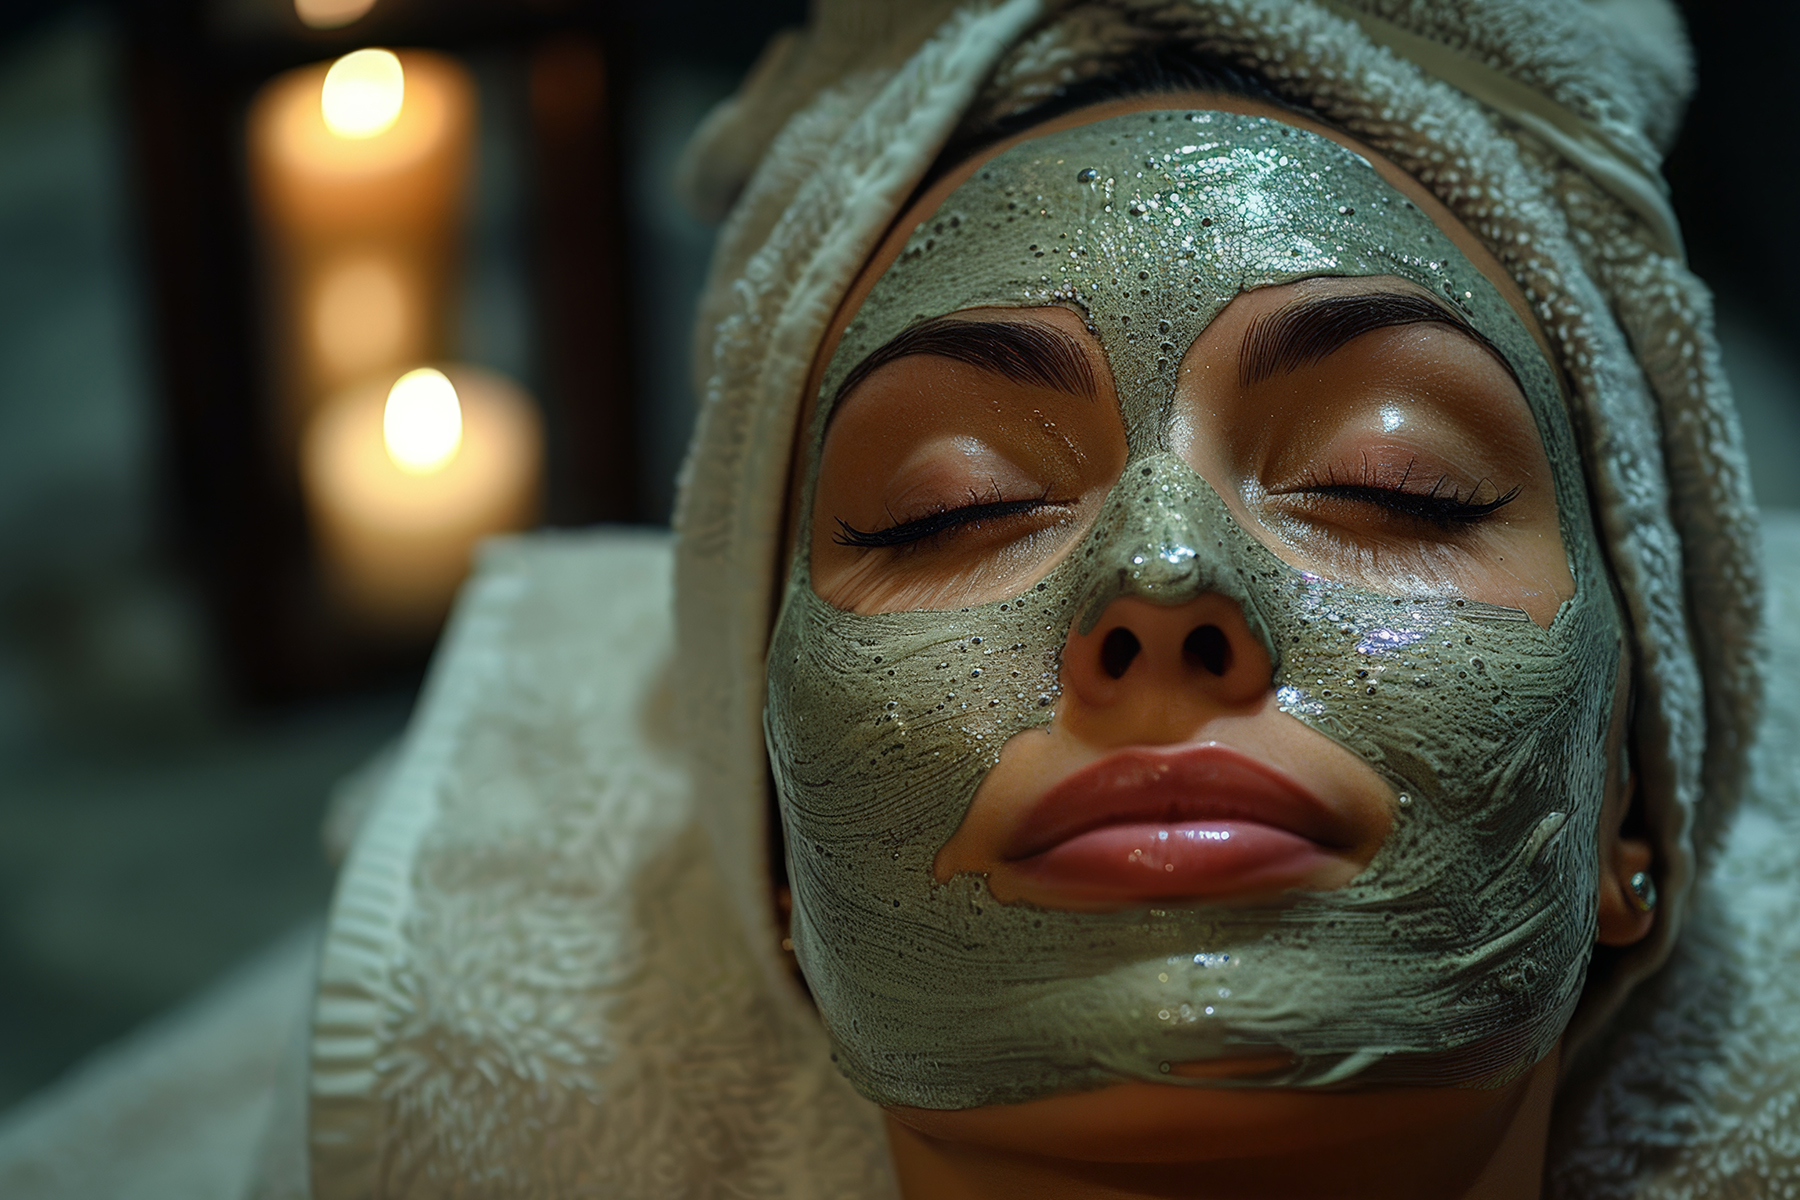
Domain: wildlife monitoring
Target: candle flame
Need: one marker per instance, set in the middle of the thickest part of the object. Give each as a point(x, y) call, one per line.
point(422, 424)
point(330, 14)
point(363, 93)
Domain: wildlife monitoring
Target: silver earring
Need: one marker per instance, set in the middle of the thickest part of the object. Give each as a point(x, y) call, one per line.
point(1643, 891)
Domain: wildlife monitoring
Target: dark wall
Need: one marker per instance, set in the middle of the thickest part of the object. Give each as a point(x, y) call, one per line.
point(1737, 165)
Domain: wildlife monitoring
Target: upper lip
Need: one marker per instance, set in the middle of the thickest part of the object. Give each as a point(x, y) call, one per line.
point(1209, 781)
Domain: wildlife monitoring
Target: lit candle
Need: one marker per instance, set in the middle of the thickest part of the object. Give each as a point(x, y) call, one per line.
point(359, 169)
point(401, 481)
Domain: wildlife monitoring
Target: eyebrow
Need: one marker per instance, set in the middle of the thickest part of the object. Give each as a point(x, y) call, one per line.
point(1023, 351)
point(1313, 328)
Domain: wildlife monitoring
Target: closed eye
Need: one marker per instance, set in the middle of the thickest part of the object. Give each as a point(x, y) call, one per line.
point(1442, 504)
point(930, 525)
point(1445, 509)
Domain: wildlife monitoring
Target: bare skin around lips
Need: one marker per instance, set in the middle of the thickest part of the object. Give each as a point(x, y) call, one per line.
point(1401, 457)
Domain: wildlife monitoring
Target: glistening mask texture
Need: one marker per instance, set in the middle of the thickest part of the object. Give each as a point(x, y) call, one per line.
point(1458, 954)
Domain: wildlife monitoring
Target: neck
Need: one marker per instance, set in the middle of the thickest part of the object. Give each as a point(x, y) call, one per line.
point(1428, 1145)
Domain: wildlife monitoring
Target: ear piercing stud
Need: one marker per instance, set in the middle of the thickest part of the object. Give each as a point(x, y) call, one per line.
point(1643, 891)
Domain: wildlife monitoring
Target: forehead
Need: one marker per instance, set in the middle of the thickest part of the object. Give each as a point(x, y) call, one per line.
point(1150, 223)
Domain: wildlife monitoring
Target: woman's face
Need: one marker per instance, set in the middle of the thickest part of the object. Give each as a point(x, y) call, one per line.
point(1355, 426)
point(1205, 528)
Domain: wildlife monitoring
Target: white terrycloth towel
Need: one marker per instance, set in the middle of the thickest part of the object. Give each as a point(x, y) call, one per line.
point(533, 983)
point(552, 966)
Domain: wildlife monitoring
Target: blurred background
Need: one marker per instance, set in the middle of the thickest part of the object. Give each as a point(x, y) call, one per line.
point(228, 534)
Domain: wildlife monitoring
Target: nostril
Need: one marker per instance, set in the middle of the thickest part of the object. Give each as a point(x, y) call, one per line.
point(1208, 646)
point(1117, 650)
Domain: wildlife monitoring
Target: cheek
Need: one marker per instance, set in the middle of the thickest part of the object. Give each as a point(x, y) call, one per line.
point(880, 727)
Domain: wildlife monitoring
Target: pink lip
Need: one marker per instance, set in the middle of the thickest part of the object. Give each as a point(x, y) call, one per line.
point(1193, 821)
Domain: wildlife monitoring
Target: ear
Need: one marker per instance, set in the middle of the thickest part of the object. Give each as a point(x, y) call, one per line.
point(1625, 850)
point(1624, 921)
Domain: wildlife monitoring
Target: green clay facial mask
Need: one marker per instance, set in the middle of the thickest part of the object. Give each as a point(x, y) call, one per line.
point(1457, 955)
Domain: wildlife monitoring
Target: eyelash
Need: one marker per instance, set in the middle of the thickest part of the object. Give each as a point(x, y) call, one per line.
point(946, 520)
point(1441, 506)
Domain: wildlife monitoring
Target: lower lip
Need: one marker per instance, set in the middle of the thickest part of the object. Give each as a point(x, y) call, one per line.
point(1184, 859)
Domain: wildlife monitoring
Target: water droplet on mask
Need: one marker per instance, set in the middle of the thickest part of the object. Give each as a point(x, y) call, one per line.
point(1086, 175)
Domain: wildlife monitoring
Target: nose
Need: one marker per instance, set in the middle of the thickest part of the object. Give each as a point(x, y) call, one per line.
point(1151, 673)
